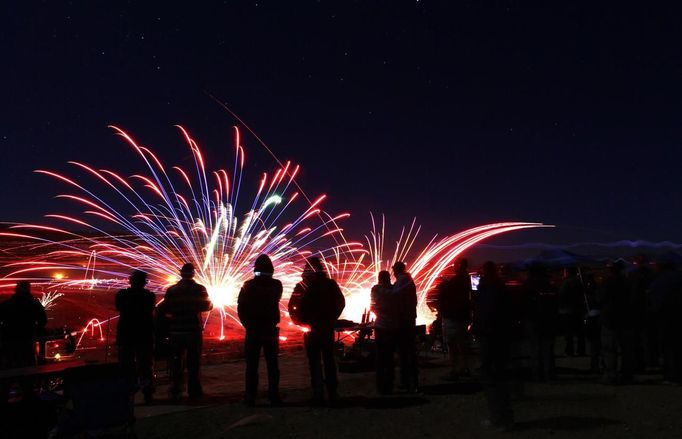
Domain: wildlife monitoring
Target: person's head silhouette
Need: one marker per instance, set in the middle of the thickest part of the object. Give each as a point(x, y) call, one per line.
point(138, 279)
point(187, 271)
point(263, 265)
point(23, 288)
point(398, 268)
point(384, 277)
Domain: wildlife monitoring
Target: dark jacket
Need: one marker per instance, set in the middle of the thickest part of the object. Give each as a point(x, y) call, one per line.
point(454, 298)
point(321, 302)
point(542, 308)
point(258, 303)
point(666, 298)
point(572, 297)
point(136, 316)
point(614, 300)
point(183, 304)
point(406, 295)
point(385, 306)
point(22, 318)
point(640, 280)
point(492, 309)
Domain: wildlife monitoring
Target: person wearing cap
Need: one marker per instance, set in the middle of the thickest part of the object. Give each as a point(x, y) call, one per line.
point(182, 307)
point(319, 304)
point(258, 310)
point(405, 295)
point(135, 333)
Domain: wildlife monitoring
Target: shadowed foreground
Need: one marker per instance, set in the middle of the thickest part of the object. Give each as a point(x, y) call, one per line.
point(575, 405)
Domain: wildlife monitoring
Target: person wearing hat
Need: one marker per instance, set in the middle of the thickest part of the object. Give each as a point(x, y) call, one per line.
point(135, 333)
point(182, 307)
point(319, 304)
point(258, 310)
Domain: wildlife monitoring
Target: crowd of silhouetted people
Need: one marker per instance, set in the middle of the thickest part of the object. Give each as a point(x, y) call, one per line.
point(624, 321)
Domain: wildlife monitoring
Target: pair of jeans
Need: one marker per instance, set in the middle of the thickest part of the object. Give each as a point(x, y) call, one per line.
point(319, 348)
point(455, 335)
point(617, 341)
point(495, 374)
point(388, 342)
point(137, 365)
point(266, 339)
point(186, 350)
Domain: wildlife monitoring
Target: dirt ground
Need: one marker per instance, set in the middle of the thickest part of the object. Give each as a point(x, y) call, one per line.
point(575, 405)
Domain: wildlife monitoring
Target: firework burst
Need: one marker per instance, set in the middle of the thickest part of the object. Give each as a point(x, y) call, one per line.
point(357, 276)
point(167, 216)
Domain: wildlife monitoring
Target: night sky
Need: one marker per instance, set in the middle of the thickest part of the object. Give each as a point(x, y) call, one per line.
point(457, 112)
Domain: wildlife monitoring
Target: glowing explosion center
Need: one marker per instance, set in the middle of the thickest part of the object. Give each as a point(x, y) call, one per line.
point(169, 216)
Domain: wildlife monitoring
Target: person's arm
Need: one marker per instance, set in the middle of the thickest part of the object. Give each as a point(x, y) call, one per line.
point(118, 301)
point(339, 300)
point(241, 313)
point(206, 304)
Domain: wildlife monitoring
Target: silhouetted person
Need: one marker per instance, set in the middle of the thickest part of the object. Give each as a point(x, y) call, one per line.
point(182, 306)
point(320, 305)
point(572, 310)
point(454, 307)
point(386, 330)
point(645, 328)
point(406, 296)
point(23, 318)
point(617, 326)
point(493, 328)
point(258, 309)
point(542, 316)
point(135, 333)
point(666, 297)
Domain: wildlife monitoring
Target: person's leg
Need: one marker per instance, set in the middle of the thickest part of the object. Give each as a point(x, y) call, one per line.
point(653, 341)
point(579, 329)
point(252, 345)
point(330, 374)
point(502, 359)
point(610, 354)
point(126, 360)
point(566, 323)
point(668, 342)
point(384, 358)
point(177, 346)
point(626, 342)
point(271, 351)
point(194, 344)
point(313, 352)
point(451, 343)
point(408, 358)
point(145, 369)
point(462, 348)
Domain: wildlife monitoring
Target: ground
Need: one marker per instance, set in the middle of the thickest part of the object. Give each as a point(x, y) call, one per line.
point(574, 405)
